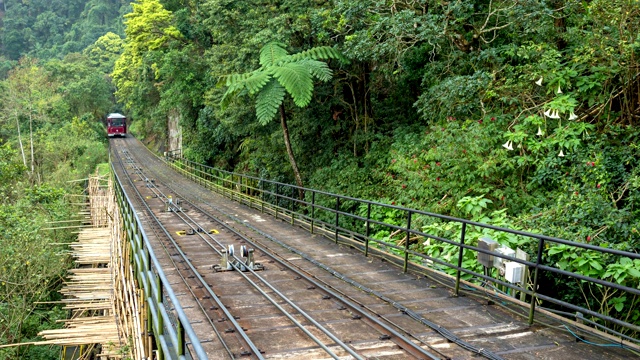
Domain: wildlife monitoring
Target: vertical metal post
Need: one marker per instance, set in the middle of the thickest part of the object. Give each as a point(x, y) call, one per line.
point(293, 195)
point(460, 255)
point(532, 308)
point(367, 231)
point(262, 196)
point(406, 243)
point(250, 192)
point(182, 344)
point(313, 209)
point(337, 216)
point(277, 198)
point(158, 314)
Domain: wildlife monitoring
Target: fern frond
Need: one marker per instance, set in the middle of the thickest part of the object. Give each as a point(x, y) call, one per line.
point(256, 81)
point(320, 52)
point(236, 78)
point(229, 95)
point(268, 101)
point(296, 78)
point(235, 83)
point(318, 69)
point(271, 53)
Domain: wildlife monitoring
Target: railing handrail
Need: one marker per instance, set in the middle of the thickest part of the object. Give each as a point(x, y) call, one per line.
point(166, 285)
point(430, 214)
point(535, 263)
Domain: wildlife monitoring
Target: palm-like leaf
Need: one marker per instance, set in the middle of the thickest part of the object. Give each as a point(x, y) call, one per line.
point(256, 81)
point(268, 101)
point(280, 71)
point(295, 77)
point(235, 83)
point(320, 52)
point(271, 53)
point(318, 69)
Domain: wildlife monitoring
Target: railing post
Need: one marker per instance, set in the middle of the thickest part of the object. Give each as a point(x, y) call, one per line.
point(182, 344)
point(313, 209)
point(262, 195)
point(367, 231)
point(532, 308)
point(460, 255)
point(158, 315)
point(406, 243)
point(337, 216)
point(277, 198)
point(293, 195)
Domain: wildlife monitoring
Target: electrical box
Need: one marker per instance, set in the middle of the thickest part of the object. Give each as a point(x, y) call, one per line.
point(498, 262)
point(485, 243)
point(514, 272)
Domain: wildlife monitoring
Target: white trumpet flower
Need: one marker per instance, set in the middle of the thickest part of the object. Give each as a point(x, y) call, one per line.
point(508, 145)
point(539, 82)
point(572, 116)
point(561, 154)
point(547, 113)
point(539, 133)
point(555, 115)
point(559, 90)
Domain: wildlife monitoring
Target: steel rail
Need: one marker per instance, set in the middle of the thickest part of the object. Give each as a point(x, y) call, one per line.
point(184, 321)
point(157, 222)
point(417, 350)
point(209, 176)
point(183, 215)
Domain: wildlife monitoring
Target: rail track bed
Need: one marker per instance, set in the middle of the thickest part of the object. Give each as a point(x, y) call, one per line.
point(256, 287)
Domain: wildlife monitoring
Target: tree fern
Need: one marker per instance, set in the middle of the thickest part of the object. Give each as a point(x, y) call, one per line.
point(318, 69)
point(297, 79)
point(320, 52)
point(271, 53)
point(281, 73)
point(268, 100)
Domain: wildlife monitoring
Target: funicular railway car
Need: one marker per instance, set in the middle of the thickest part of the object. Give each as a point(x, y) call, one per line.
point(116, 125)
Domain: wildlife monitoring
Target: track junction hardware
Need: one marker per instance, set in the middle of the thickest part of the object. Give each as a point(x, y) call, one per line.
point(243, 261)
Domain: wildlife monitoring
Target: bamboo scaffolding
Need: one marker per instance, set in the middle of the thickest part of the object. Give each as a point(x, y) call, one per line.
point(102, 293)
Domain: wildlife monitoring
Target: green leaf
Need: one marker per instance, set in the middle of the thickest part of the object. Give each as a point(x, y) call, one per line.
point(271, 53)
point(297, 80)
point(596, 265)
point(318, 69)
point(619, 306)
point(268, 101)
point(634, 272)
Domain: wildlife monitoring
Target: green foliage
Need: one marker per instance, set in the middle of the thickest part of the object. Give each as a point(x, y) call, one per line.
point(52, 29)
point(31, 266)
point(519, 114)
point(280, 71)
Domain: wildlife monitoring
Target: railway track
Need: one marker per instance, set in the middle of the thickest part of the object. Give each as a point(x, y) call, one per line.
point(279, 291)
point(251, 294)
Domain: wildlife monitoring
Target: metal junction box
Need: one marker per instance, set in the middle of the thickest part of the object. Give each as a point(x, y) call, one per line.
point(514, 272)
point(485, 243)
point(498, 262)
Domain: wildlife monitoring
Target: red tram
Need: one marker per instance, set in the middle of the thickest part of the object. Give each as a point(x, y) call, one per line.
point(116, 125)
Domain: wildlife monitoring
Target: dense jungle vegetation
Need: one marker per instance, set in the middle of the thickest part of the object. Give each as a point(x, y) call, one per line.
point(518, 114)
point(54, 64)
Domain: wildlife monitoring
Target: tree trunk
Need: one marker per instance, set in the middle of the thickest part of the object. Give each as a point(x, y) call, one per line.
point(287, 143)
point(33, 168)
point(24, 159)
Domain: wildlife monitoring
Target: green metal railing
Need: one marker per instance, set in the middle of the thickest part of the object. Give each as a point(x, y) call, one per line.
point(350, 220)
point(169, 332)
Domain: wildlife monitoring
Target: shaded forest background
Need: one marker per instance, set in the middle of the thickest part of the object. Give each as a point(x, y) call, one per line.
point(519, 114)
